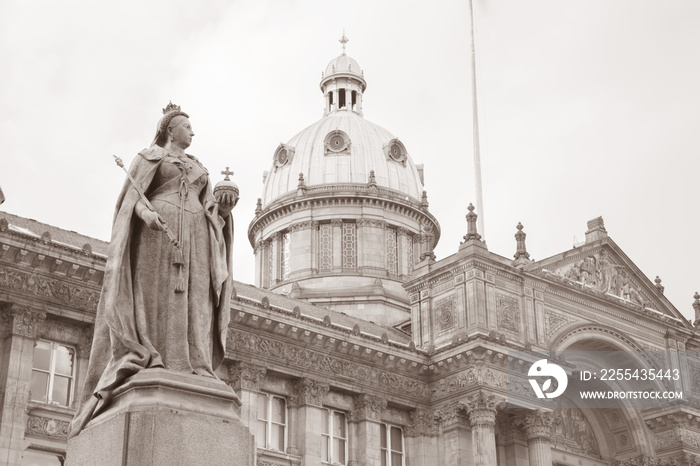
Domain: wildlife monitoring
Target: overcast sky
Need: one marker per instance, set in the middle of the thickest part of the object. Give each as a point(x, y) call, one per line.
point(587, 108)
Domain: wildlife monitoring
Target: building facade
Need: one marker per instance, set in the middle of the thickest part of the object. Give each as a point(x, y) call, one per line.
point(356, 346)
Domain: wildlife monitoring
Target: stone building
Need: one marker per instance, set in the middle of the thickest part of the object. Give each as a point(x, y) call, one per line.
point(356, 346)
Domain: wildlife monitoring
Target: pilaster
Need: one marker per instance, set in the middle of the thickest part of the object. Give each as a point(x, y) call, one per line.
point(421, 438)
point(19, 326)
point(456, 445)
point(245, 379)
point(307, 400)
point(367, 415)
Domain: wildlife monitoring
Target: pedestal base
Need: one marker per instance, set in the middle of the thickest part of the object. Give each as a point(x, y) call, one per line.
point(161, 417)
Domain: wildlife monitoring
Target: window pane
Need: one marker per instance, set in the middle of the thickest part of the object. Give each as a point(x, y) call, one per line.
point(339, 425)
point(262, 406)
point(384, 457)
point(42, 356)
point(339, 450)
point(326, 420)
point(277, 440)
point(324, 448)
point(383, 436)
point(396, 443)
point(40, 386)
point(396, 459)
point(61, 390)
point(260, 434)
point(63, 360)
point(277, 413)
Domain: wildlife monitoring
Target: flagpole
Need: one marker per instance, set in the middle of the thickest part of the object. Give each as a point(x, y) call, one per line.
point(475, 128)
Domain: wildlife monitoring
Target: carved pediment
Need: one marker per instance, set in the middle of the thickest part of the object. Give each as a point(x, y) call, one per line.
point(605, 271)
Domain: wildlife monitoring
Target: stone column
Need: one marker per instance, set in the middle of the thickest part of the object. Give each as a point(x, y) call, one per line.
point(482, 417)
point(456, 448)
point(538, 431)
point(19, 332)
point(421, 438)
point(308, 397)
point(245, 379)
point(368, 414)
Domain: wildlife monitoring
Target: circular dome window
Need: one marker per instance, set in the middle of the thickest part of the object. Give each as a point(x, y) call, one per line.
point(395, 151)
point(283, 154)
point(337, 142)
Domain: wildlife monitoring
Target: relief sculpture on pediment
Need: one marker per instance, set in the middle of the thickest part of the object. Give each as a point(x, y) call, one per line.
point(598, 271)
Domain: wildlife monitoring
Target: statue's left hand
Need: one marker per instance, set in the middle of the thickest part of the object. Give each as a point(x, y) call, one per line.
point(226, 202)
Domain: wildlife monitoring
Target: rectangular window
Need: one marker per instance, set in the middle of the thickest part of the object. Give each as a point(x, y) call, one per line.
point(271, 428)
point(335, 438)
point(349, 246)
point(325, 247)
point(391, 439)
point(52, 373)
point(284, 255)
point(392, 263)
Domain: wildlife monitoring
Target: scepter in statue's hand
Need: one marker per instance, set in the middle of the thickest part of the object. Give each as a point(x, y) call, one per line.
point(146, 202)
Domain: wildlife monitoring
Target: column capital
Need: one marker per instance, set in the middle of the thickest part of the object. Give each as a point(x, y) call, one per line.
point(422, 423)
point(246, 376)
point(452, 416)
point(537, 424)
point(21, 320)
point(368, 408)
point(481, 407)
point(308, 392)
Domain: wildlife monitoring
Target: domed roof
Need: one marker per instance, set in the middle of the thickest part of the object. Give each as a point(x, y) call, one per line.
point(343, 64)
point(342, 148)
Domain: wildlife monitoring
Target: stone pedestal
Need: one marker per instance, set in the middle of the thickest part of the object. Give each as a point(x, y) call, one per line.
point(161, 417)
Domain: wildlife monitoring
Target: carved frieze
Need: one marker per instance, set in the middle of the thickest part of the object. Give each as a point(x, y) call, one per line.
point(476, 374)
point(48, 288)
point(302, 358)
point(47, 427)
point(507, 312)
point(570, 429)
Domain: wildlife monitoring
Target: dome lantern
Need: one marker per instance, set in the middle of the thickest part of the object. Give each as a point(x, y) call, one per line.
point(343, 83)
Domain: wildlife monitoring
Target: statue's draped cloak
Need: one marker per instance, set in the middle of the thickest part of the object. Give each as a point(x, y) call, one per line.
point(119, 349)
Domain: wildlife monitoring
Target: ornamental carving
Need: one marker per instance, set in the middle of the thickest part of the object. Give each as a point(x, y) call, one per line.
point(423, 422)
point(571, 429)
point(246, 376)
point(477, 374)
point(48, 288)
point(59, 331)
point(452, 416)
point(301, 226)
point(368, 408)
point(599, 272)
point(481, 407)
point(47, 427)
point(306, 359)
point(507, 313)
point(537, 424)
point(553, 322)
point(364, 222)
point(445, 312)
point(22, 321)
point(308, 392)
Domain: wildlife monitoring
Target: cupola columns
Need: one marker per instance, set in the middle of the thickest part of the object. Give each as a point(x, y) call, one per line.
point(343, 83)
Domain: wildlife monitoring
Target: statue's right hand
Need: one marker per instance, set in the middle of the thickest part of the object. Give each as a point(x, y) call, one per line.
point(153, 220)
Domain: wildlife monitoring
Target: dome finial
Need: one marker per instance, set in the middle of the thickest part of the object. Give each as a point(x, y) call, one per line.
point(343, 40)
